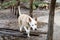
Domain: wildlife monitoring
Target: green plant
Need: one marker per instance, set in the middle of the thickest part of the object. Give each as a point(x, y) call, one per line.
point(25, 1)
point(7, 4)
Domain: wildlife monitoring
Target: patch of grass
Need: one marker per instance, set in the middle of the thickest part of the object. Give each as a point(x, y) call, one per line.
point(7, 4)
point(25, 1)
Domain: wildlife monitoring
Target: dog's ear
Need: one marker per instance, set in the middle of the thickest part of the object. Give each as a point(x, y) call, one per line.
point(35, 18)
point(29, 20)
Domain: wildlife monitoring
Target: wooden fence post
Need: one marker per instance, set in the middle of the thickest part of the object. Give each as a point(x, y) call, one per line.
point(51, 20)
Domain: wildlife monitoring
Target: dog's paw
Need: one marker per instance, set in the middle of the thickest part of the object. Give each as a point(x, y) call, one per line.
point(20, 30)
point(29, 36)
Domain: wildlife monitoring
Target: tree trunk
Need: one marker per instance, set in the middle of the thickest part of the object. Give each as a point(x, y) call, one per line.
point(1, 1)
point(31, 8)
point(51, 20)
point(15, 8)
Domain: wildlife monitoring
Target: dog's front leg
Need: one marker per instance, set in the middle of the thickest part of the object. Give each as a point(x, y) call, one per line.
point(27, 31)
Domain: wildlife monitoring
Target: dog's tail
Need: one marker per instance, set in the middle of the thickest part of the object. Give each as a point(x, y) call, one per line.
point(19, 10)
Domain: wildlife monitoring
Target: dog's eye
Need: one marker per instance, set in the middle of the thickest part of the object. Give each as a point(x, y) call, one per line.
point(32, 25)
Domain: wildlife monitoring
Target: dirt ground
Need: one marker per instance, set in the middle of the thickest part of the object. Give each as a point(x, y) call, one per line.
point(9, 20)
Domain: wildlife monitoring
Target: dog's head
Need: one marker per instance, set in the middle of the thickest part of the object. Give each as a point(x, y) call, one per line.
point(33, 23)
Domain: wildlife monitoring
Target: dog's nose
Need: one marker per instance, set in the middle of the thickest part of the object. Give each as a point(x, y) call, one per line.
point(31, 28)
point(35, 29)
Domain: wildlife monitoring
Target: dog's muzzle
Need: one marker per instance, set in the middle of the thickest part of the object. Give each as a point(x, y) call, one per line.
point(32, 28)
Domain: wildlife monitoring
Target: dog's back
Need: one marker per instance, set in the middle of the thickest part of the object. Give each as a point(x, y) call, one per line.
point(23, 20)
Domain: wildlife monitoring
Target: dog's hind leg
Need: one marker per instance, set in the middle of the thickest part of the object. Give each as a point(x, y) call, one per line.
point(27, 31)
point(21, 28)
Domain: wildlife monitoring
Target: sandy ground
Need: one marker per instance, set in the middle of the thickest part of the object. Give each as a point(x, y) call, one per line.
point(56, 23)
point(9, 20)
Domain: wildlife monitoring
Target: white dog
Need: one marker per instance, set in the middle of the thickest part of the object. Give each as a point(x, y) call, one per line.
point(26, 22)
